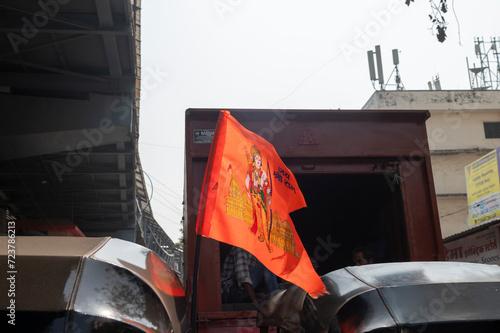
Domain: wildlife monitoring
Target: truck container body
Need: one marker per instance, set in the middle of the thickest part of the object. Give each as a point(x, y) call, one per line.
point(365, 175)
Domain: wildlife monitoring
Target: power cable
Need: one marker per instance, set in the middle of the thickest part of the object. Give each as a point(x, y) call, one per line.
point(163, 146)
point(170, 204)
point(172, 209)
point(169, 220)
point(176, 196)
point(180, 197)
point(318, 69)
point(460, 210)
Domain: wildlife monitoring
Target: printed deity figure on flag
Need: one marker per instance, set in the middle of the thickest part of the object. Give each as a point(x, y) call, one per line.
point(259, 193)
point(247, 196)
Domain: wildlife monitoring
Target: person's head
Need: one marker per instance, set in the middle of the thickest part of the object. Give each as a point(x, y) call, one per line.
point(362, 256)
point(256, 156)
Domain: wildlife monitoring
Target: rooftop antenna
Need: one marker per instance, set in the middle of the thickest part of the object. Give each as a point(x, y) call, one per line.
point(395, 61)
point(436, 83)
point(371, 66)
point(485, 76)
point(373, 77)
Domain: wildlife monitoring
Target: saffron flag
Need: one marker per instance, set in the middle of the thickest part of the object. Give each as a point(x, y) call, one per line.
point(247, 195)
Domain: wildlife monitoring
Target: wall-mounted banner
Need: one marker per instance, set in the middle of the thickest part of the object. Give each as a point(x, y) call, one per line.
point(483, 188)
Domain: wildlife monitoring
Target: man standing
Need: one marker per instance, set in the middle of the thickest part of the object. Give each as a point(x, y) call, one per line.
point(241, 275)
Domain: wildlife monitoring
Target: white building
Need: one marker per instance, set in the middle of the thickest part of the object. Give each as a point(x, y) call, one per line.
point(464, 125)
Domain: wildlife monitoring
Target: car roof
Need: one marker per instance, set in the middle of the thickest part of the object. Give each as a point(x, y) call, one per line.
point(417, 296)
point(412, 294)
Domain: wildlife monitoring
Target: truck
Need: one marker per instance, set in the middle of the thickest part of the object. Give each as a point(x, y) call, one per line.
point(367, 180)
point(365, 175)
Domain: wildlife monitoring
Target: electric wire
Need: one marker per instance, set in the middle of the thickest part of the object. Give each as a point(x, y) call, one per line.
point(172, 209)
point(151, 197)
point(159, 182)
point(172, 206)
point(460, 210)
point(170, 221)
point(157, 200)
point(176, 196)
point(163, 146)
point(157, 241)
point(319, 68)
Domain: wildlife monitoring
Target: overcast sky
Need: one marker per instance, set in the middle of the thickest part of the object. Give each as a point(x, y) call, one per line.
point(283, 54)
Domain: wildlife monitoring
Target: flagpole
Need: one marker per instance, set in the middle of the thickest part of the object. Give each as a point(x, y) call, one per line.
point(194, 295)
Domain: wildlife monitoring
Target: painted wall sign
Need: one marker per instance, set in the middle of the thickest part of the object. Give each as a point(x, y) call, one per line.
point(481, 247)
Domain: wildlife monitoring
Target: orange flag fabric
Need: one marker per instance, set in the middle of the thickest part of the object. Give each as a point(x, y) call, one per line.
point(247, 195)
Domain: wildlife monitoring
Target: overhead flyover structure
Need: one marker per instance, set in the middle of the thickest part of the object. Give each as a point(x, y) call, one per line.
point(69, 101)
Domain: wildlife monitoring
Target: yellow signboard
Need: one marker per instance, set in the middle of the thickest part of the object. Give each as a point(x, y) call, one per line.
point(483, 188)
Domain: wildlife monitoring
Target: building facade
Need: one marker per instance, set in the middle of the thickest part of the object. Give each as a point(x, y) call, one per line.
point(464, 125)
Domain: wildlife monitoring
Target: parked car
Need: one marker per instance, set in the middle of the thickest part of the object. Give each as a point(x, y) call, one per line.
point(78, 284)
point(409, 297)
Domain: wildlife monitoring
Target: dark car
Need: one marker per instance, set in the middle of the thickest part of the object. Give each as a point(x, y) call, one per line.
point(73, 284)
point(411, 297)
